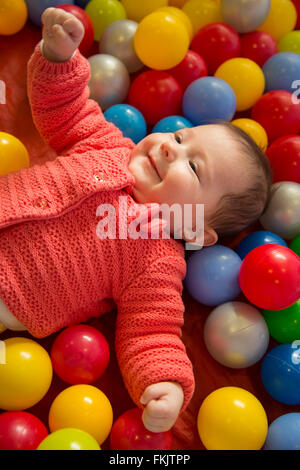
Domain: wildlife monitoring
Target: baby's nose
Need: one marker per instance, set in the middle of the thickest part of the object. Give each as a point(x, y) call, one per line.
point(167, 150)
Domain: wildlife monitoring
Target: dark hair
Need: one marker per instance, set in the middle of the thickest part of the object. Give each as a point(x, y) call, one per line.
point(237, 211)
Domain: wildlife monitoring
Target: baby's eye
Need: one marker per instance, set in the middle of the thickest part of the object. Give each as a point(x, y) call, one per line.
point(193, 166)
point(178, 138)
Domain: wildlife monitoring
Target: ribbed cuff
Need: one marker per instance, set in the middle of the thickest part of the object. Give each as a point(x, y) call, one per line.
point(56, 67)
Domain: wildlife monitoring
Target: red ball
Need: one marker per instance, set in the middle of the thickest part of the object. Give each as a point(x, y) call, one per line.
point(270, 277)
point(216, 43)
point(297, 6)
point(284, 156)
point(88, 37)
point(190, 68)
point(20, 430)
point(80, 354)
point(258, 46)
point(156, 94)
point(129, 433)
point(277, 113)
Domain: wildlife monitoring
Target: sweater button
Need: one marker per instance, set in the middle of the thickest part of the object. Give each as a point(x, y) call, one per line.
point(40, 203)
point(99, 177)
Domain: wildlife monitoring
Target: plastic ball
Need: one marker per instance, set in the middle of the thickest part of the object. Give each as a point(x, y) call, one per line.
point(156, 94)
point(280, 373)
point(254, 129)
point(216, 43)
point(104, 12)
point(13, 154)
point(177, 3)
point(13, 16)
point(284, 157)
point(284, 325)
point(82, 3)
point(172, 124)
point(118, 40)
point(295, 245)
point(258, 46)
point(246, 79)
point(69, 439)
point(202, 12)
point(180, 15)
point(281, 19)
point(290, 42)
point(269, 277)
point(109, 82)
point(161, 40)
point(212, 275)
point(281, 71)
point(282, 215)
point(20, 430)
point(129, 120)
point(190, 69)
point(26, 375)
point(80, 354)
point(255, 239)
point(36, 8)
point(208, 100)
point(245, 16)
point(284, 433)
point(231, 418)
point(129, 433)
point(137, 10)
point(82, 407)
point(88, 38)
point(236, 335)
point(277, 113)
point(297, 6)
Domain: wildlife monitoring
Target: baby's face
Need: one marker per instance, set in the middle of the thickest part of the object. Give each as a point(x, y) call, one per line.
point(191, 166)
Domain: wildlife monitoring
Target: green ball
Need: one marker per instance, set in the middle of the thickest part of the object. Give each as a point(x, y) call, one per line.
point(295, 245)
point(284, 325)
point(69, 439)
point(290, 42)
point(104, 12)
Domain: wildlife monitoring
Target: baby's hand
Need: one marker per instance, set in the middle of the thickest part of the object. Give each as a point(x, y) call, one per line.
point(164, 401)
point(62, 34)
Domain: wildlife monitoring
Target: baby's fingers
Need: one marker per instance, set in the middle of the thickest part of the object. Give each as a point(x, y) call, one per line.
point(74, 28)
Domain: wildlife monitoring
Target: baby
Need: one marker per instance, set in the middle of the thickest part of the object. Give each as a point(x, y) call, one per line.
point(57, 272)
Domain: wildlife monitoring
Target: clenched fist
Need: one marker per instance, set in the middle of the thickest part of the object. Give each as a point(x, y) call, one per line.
point(62, 34)
point(163, 402)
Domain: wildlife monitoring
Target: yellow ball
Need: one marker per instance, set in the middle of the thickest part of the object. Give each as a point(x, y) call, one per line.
point(282, 19)
point(202, 12)
point(26, 375)
point(82, 407)
point(13, 16)
point(136, 10)
point(161, 40)
point(177, 3)
point(230, 418)
point(255, 130)
point(182, 16)
point(245, 78)
point(13, 154)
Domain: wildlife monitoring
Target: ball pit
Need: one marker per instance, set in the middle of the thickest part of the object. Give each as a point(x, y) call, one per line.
point(277, 115)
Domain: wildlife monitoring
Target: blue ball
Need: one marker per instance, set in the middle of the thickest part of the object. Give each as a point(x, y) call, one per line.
point(208, 100)
point(82, 3)
point(255, 239)
point(284, 433)
point(36, 8)
point(281, 70)
point(212, 275)
point(129, 120)
point(280, 373)
point(171, 124)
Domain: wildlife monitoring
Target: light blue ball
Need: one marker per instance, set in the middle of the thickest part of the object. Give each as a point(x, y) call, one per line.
point(36, 8)
point(284, 433)
point(212, 275)
point(256, 239)
point(281, 70)
point(171, 124)
point(129, 120)
point(208, 100)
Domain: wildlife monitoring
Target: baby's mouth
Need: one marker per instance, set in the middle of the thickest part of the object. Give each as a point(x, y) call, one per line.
point(153, 164)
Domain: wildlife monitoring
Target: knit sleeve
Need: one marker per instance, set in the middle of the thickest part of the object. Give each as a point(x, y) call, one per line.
point(64, 115)
point(148, 330)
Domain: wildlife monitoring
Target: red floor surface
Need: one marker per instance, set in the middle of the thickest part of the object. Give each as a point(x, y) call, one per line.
point(15, 118)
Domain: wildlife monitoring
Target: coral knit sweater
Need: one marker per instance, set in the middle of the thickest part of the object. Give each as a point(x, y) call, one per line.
point(55, 271)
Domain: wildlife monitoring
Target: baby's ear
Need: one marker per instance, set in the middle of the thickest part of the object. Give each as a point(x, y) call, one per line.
point(210, 236)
